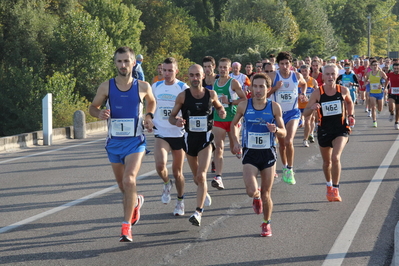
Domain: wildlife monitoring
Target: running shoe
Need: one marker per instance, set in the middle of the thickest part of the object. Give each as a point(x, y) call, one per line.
point(179, 209)
point(275, 175)
point(257, 205)
point(375, 124)
point(369, 114)
point(126, 234)
point(289, 177)
point(136, 211)
point(208, 200)
point(213, 167)
point(329, 194)
point(284, 175)
point(390, 118)
point(311, 138)
point(396, 126)
point(217, 182)
point(195, 219)
point(366, 110)
point(334, 196)
point(266, 229)
point(305, 143)
point(166, 192)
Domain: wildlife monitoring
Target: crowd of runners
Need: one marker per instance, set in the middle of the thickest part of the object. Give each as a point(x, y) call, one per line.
point(259, 111)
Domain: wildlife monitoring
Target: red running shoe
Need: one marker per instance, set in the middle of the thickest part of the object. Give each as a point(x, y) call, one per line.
point(136, 211)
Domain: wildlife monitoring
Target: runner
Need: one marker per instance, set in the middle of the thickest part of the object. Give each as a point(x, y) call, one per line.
point(376, 90)
point(349, 80)
point(334, 105)
point(240, 77)
point(230, 94)
point(309, 121)
point(209, 64)
point(285, 92)
point(393, 95)
point(125, 142)
point(196, 105)
point(158, 77)
point(262, 120)
point(169, 138)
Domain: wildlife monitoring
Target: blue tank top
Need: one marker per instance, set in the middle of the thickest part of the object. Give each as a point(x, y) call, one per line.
point(126, 111)
point(255, 134)
point(287, 95)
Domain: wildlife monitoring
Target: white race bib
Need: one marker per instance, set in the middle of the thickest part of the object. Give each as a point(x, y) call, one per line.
point(258, 140)
point(331, 108)
point(220, 100)
point(198, 123)
point(394, 90)
point(122, 127)
point(374, 86)
point(285, 97)
point(164, 112)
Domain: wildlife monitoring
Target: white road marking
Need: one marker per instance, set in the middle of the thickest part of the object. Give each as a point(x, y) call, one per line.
point(344, 240)
point(50, 151)
point(69, 204)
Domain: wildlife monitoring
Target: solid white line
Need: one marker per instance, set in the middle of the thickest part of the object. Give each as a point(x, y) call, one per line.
point(69, 204)
point(341, 245)
point(50, 151)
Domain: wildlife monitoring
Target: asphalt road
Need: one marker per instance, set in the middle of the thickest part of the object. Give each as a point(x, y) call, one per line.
point(60, 206)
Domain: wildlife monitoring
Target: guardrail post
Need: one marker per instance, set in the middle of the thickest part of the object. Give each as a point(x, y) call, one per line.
point(79, 125)
point(47, 104)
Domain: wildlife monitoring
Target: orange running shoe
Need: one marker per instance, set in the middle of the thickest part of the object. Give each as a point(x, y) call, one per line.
point(126, 234)
point(333, 195)
point(136, 211)
point(257, 205)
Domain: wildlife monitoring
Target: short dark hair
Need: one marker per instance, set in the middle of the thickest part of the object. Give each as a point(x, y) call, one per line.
point(170, 60)
point(283, 56)
point(209, 58)
point(248, 64)
point(225, 59)
point(263, 76)
point(266, 64)
point(123, 50)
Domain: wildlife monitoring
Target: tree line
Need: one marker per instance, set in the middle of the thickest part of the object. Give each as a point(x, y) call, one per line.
point(65, 47)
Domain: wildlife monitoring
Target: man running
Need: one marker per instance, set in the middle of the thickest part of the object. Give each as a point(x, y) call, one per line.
point(125, 143)
point(309, 121)
point(376, 90)
point(169, 138)
point(262, 120)
point(285, 92)
point(230, 94)
point(196, 105)
point(393, 95)
point(334, 105)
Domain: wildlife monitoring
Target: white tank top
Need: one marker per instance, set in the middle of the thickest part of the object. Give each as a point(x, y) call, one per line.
point(165, 96)
point(287, 95)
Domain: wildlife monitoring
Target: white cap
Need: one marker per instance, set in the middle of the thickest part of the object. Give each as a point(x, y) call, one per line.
point(333, 57)
point(139, 57)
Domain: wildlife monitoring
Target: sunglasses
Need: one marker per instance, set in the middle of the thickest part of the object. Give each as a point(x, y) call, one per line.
point(268, 71)
point(346, 67)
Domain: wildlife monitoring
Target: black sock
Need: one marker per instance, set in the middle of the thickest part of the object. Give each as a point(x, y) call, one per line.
point(337, 186)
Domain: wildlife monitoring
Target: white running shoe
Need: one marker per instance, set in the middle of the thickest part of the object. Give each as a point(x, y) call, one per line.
point(195, 219)
point(397, 126)
point(208, 200)
point(166, 192)
point(369, 114)
point(305, 143)
point(179, 209)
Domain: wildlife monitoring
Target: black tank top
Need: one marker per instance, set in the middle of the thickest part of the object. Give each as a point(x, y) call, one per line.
point(197, 107)
point(331, 120)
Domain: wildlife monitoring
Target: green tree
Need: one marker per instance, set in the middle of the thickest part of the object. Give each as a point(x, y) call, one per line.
point(81, 47)
point(120, 21)
point(167, 27)
point(278, 17)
